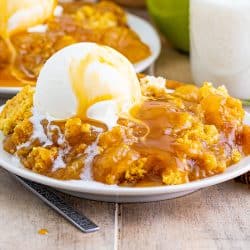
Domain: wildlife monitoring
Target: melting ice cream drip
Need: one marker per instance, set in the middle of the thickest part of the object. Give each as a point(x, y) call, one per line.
point(46, 139)
point(59, 161)
point(91, 151)
point(38, 130)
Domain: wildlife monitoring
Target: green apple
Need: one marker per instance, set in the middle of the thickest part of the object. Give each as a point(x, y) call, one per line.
point(172, 18)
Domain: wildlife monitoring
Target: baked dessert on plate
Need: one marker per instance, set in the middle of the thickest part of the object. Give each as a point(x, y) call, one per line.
point(30, 33)
point(95, 128)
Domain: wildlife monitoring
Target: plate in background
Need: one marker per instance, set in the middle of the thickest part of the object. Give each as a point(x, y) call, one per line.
point(149, 36)
point(146, 32)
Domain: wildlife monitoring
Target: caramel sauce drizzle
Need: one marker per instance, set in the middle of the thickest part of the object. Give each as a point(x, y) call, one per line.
point(77, 71)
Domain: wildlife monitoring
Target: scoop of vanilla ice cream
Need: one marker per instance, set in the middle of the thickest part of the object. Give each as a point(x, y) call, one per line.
point(89, 81)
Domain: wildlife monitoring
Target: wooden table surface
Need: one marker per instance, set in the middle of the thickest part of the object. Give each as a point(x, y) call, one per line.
point(217, 217)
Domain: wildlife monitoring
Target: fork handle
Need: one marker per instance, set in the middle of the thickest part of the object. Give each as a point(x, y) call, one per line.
point(59, 205)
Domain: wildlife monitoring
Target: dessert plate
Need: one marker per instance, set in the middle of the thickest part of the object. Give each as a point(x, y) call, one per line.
point(112, 193)
point(147, 34)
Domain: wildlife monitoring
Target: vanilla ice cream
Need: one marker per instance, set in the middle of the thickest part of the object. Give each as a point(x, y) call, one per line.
point(89, 81)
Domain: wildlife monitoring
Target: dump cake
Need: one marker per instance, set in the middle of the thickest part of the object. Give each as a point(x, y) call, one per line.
point(163, 136)
point(69, 23)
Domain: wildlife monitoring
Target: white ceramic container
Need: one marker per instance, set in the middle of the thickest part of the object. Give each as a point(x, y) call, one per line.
point(220, 44)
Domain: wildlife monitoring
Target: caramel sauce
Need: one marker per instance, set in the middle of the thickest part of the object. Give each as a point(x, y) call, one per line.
point(77, 72)
point(156, 142)
point(3, 18)
point(43, 231)
point(172, 84)
point(8, 80)
point(153, 115)
point(150, 181)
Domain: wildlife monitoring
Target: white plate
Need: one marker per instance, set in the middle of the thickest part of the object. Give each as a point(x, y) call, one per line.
point(98, 191)
point(147, 34)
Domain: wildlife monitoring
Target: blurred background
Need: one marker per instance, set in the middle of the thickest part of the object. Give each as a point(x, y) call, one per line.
point(170, 17)
point(202, 40)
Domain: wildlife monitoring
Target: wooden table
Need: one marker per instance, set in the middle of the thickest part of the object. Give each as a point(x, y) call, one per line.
point(213, 218)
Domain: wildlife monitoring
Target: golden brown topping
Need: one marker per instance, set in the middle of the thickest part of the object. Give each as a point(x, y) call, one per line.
point(71, 171)
point(173, 138)
point(11, 115)
point(110, 166)
point(222, 111)
point(116, 136)
point(172, 84)
point(188, 93)
point(174, 177)
point(40, 160)
point(21, 134)
point(76, 131)
point(153, 87)
point(246, 139)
